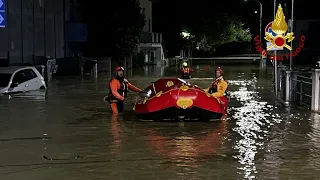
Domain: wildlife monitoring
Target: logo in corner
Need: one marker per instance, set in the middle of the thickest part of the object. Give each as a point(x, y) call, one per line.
point(277, 34)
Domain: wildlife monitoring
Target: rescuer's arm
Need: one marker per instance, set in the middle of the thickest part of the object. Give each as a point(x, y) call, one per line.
point(114, 89)
point(132, 87)
point(222, 87)
point(191, 70)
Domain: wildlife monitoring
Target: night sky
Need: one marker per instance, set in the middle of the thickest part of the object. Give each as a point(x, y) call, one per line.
point(170, 15)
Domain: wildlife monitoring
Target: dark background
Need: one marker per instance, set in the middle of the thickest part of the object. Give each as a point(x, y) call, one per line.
point(170, 15)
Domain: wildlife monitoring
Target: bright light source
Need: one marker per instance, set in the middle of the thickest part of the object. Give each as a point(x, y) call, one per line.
point(185, 34)
point(255, 12)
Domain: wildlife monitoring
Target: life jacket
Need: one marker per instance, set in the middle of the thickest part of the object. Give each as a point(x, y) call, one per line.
point(186, 71)
point(214, 87)
point(123, 90)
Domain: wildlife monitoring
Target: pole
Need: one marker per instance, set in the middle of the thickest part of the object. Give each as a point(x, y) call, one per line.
point(8, 32)
point(291, 44)
point(22, 43)
point(260, 28)
point(260, 25)
point(33, 34)
point(275, 57)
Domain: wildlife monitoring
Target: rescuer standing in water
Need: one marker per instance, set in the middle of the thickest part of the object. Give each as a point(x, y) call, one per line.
point(118, 91)
point(185, 71)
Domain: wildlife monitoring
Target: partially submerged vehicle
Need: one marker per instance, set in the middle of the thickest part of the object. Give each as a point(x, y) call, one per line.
point(174, 98)
point(15, 79)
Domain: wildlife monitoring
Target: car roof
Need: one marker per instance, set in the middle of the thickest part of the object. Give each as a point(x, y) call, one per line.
point(12, 69)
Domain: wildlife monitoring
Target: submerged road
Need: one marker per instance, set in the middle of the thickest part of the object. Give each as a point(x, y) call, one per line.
point(69, 133)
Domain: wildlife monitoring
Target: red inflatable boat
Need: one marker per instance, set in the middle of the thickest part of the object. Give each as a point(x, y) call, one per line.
point(173, 98)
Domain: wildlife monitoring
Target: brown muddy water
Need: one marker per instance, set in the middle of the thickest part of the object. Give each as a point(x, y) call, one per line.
point(68, 133)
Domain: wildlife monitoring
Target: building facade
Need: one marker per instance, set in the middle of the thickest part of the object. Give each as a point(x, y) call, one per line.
point(151, 43)
point(33, 28)
point(55, 28)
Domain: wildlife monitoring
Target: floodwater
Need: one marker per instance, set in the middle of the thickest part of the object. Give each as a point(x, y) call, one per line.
point(68, 133)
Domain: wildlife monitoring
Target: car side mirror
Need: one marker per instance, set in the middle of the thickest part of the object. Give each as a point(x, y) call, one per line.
point(13, 85)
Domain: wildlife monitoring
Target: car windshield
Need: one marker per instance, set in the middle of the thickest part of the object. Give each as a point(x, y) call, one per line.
point(4, 79)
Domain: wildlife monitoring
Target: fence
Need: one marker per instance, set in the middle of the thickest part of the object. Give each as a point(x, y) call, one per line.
point(106, 65)
point(301, 87)
point(47, 69)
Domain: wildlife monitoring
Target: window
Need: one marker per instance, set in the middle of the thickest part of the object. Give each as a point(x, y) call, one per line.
point(30, 74)
point(4, 79)
point(153, 56)
point(23, 76)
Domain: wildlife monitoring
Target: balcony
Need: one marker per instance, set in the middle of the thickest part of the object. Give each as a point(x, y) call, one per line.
point(150, 37)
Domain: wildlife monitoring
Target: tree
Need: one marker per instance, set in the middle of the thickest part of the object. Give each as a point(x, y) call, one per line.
point(211, 33)
point(114, 27)
point(188, 41)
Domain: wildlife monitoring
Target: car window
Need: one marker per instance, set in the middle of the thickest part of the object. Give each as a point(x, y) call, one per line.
point(30, 74)
point(23, 76)
point(5, 79)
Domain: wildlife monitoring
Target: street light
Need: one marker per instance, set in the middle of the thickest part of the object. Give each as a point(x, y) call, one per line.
point(260, 22)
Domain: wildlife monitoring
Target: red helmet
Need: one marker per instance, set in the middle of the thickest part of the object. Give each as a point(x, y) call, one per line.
point(119, 68)
point(219, 69)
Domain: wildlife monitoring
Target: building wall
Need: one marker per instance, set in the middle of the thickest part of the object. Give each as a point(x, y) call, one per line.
point(33, 27)
point(76, 29)
point(146, 6)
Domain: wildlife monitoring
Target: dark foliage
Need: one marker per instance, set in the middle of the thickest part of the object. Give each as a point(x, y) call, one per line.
point(114, 27)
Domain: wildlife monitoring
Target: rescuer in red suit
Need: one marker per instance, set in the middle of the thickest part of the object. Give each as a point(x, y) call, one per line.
point(185, 71)
point(118, 90)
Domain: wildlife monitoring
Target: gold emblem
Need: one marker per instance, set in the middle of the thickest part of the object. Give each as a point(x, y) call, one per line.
point(145, 100)
point(170, 83)
point(184, 103)
point(184, 88)
point(159, 94)
point(279, 27)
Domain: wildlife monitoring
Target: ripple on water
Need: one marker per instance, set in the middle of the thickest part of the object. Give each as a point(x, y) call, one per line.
point(77, 123)
point(251, 119)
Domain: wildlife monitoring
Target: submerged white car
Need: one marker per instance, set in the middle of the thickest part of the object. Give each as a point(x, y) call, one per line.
point(15, 79)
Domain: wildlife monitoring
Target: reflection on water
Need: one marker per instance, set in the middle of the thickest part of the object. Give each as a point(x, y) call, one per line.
point(72, 127)
point(190, 146)
point(250, 118)
point(314, 135)
point(32, 95)
point(151, 70)
point(116, 134)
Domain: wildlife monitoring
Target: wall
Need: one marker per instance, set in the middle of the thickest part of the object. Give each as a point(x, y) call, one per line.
point(146, 6)
point(34, 27)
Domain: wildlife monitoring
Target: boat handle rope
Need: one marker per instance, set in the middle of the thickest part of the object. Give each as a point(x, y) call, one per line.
point(154, 88)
